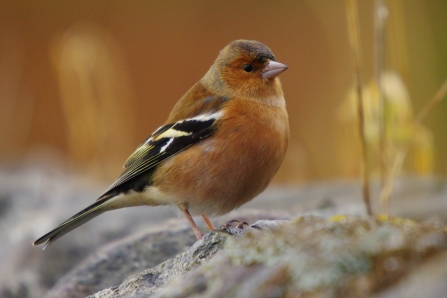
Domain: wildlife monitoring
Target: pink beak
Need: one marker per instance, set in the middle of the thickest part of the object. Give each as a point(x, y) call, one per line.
point(273, 69)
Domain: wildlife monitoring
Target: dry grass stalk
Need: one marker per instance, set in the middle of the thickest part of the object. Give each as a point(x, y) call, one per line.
point(398, 161)
point(354, 40)
point(380, 15)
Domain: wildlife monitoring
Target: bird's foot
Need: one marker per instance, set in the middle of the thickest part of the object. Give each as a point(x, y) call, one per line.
point(229, 223)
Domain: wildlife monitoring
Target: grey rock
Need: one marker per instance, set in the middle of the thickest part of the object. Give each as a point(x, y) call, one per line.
point(314, 257)
point(112, 264)
point(149, 281)
point(428, 281)
point(34, 199)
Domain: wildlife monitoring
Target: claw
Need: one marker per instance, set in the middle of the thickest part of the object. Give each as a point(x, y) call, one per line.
point(228, 224)
point(231, 222)
point(242, 224)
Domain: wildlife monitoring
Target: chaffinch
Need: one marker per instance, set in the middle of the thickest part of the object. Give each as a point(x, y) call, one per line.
point(219, 148)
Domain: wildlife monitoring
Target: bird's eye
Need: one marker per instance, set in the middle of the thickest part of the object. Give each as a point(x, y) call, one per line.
point(248, 67)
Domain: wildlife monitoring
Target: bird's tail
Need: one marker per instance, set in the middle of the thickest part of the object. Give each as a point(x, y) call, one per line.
point(75, 221)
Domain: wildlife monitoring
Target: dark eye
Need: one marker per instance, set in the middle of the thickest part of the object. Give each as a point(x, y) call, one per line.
point(248, 67)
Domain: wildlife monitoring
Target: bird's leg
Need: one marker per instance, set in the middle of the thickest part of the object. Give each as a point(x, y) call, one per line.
point(208, 222)
point(194, 227)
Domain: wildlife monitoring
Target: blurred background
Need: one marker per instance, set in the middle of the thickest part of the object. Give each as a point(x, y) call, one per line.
point(83, 83)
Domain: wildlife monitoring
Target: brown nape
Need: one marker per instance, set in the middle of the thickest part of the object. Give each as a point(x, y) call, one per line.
point(205, 102)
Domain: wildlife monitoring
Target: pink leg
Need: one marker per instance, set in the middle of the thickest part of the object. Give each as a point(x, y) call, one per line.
point(194, 227)
point(208, 222)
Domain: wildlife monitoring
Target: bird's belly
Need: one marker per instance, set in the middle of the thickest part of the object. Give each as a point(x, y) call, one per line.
point(215, 177)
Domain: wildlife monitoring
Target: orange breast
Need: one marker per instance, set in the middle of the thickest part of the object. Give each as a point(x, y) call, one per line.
point(232, 166)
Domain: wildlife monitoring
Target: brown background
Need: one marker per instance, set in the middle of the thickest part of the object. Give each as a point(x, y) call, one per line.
point(89, 80)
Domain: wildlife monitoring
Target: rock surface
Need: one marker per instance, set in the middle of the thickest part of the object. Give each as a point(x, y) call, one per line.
point(113, 263)
point(32, 201)
point(308, 257)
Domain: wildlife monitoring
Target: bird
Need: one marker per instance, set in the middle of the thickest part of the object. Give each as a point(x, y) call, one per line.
point(220, 147)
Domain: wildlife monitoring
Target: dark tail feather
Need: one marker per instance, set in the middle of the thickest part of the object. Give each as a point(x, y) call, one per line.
point(75, 221)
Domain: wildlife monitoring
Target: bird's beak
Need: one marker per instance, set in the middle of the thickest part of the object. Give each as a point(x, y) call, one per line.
point(273, 69)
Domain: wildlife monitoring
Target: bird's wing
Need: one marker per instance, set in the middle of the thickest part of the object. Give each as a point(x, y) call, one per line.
point(163, 143)
point(167, 141)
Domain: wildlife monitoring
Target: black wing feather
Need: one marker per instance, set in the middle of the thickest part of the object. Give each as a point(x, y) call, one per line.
point(165, 142)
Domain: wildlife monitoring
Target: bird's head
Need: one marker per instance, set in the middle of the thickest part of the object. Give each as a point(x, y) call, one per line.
point(247, 69)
